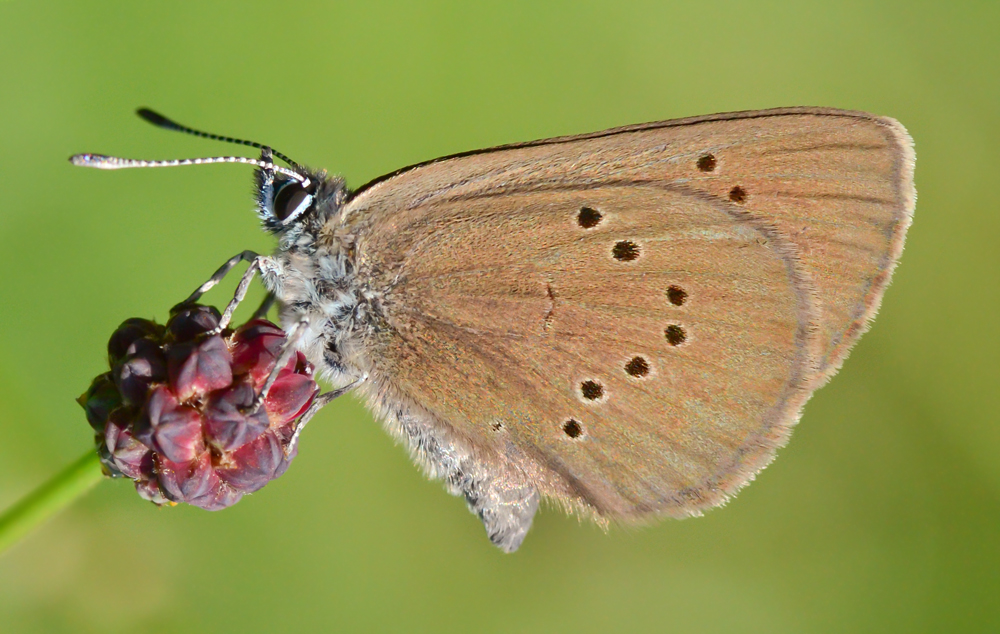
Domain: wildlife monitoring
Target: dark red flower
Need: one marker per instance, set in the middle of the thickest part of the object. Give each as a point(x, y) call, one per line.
point(199, 366)
point(142, 365)
point(100, 400)
point(176, 412)
point(229, 421)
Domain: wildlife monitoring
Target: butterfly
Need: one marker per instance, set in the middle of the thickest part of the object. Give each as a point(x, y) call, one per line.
point(627, 323)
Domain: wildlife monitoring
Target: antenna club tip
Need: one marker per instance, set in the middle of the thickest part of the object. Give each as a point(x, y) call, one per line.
point(154, 117)
point(81, 159)
point(100, 161)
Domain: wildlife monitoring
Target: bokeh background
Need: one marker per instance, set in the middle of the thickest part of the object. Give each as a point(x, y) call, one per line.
point(881, 515)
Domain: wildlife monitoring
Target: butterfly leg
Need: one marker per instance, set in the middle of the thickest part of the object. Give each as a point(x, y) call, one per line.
point(248, 256)
point(318, 403)
point(241, 288)
point(287, 350)
point(256, 261)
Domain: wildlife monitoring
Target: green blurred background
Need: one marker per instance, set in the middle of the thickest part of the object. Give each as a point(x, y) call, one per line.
point(881, 515)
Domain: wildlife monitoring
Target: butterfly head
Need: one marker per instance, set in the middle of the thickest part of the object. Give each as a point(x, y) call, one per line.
point(291, 204)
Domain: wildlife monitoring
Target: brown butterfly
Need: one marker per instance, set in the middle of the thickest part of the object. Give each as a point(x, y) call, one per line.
point(626, 322)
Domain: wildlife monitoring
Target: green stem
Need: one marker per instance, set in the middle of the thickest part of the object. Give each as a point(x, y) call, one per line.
point(46, 500)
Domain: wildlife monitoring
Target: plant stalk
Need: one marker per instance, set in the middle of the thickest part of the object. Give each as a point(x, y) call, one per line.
point(48, 499)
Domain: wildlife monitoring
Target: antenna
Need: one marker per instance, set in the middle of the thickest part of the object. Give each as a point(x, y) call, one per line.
point(104, 162)
point(160, 121)
point(101, 161)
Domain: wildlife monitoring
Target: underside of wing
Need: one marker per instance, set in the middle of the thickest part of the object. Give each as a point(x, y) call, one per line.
point(645, 363)
point(837, 184)
point(633, 319)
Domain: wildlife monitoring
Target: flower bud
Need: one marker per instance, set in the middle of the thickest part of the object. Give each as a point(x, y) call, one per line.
point(143, 365)
point(128, 333)
point(198, 367)
point(100, 400)
point(229, 421)
point(192, 320)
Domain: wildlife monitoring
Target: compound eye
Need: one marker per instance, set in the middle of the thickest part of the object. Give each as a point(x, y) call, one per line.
point(291, 201)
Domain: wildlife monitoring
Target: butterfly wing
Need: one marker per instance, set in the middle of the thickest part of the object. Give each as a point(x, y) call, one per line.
point(838, 184)
point(630, 321)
